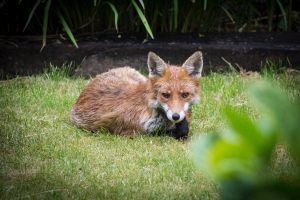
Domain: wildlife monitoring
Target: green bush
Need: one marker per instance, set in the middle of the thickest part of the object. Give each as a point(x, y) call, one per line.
point(240, 158)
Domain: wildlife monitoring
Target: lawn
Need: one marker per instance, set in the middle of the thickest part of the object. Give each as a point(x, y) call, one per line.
point(43, 156)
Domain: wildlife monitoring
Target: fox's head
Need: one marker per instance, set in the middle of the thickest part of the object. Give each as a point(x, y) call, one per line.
point(175, 88)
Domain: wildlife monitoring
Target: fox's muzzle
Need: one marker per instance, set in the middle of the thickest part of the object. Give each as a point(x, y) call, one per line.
point(174, 116)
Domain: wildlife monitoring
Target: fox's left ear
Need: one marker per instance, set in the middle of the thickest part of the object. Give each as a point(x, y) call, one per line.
point(156, 65)
point(194, 64)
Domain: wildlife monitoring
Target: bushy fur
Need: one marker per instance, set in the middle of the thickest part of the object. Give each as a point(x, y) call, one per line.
point(125, 102)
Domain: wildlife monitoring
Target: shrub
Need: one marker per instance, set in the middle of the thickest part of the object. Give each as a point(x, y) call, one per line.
point(240, 158)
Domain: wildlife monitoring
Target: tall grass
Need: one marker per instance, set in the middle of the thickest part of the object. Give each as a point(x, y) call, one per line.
point(93, 16)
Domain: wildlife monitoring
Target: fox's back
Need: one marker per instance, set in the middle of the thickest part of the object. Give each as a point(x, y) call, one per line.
point(112, 84)
point(110, 93)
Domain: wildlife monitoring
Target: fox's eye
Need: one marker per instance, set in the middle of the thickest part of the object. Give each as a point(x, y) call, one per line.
point(185, 94)
point(166, 95)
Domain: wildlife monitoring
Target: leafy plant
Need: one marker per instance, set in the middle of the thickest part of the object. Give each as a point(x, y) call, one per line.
point(239, 158)
point(47, 7)
point(198, 16)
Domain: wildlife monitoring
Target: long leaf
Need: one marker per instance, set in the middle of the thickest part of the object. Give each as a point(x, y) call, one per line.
point(271, 9)
point(228, 14)
point(142, 4)
point(116, 15)
point(284, 15)
point(175, 14)
point(205, 4)
point(45, 23)
point(67, 28)
point(143, 18)
point(37, 3)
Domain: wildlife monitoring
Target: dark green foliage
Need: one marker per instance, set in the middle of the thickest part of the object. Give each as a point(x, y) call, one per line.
point(93, 16)
point(240, 158)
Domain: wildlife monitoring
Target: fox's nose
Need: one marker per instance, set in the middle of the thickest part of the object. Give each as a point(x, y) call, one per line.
point(175, 116)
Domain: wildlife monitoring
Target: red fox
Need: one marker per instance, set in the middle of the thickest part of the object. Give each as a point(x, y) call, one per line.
point(125, 102)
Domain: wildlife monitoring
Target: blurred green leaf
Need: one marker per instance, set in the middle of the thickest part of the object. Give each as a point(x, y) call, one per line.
point(234, 160)
point(225, 159)
point(249, 132)
point(201, 148)
point(239, 158)
point(283, 115)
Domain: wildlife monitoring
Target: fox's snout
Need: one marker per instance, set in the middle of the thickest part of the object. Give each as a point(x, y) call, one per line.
point(175, 115)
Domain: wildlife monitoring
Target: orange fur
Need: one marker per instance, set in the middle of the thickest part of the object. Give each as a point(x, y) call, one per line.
point(125, 102)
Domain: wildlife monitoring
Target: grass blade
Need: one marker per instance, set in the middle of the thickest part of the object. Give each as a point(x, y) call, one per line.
point(37, 3)
point(175, 14)
point(142, 3)
point(205, 4)
point(271, 10)
point(143, 18)
point(228, 14)
point(116, 15)
point(45, 23)
point(283, 14)
point(67, 28)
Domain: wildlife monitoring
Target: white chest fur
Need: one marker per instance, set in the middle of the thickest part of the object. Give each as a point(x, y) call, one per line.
point(153, 123)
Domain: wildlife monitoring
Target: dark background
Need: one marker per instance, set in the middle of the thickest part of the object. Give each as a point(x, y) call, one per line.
point(247, 34)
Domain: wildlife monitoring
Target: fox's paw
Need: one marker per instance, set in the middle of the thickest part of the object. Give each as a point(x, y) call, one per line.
point(181, 131)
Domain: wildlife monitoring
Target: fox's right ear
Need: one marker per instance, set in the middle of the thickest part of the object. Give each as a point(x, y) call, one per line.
point(156, 65)
point(194, 64)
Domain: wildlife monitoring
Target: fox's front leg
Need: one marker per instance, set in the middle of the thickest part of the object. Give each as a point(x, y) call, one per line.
point(181, 130)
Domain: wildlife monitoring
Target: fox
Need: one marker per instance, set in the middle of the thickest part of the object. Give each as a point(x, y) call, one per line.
point(125, 102)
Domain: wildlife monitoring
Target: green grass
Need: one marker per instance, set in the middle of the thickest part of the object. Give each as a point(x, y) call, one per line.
point(43, 156)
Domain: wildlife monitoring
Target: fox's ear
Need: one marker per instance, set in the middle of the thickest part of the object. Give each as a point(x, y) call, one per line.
point(156, 65)
point(194, 64)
